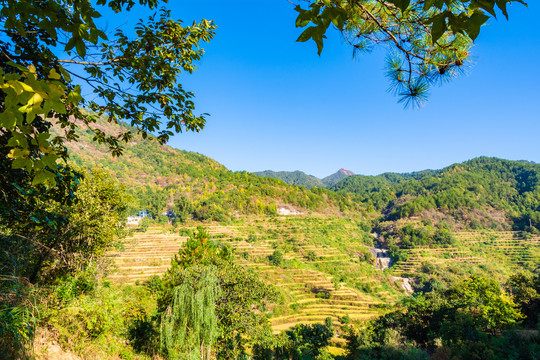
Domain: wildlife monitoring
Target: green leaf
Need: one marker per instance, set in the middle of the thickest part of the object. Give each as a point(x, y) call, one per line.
point(487, 6)
point(54, 75)
point(304, 17)
point(438, 26)
point(18, 140)
point(21, 163)
point(318, 36)
point(501, 4)
point(476, 21)
point(50, 160)
point(306, 35)
point(8, 120)
point(80, 46)
point(44, 177)
point(336, 15)
point(401, 4)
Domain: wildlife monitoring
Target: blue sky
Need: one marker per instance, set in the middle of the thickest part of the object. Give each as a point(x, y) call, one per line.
point(275, 104)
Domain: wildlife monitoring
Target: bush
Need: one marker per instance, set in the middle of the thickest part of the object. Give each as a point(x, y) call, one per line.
point(323, 295)
point(73, 286)
point(276, 258)
point(141, 331)
point(94, 321)
point(17, 321)
point(163, 219)
point(145, 222)
point(154, 285)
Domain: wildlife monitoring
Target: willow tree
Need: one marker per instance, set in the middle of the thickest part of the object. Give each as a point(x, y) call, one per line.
point(428, 41)
point(240, 303)
point(189, 326)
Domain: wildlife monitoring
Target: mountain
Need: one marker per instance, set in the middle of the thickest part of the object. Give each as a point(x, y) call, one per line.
point(302, 179)
point(159, 177)
point(479, 193)
point(293, 178)
point(336, 177)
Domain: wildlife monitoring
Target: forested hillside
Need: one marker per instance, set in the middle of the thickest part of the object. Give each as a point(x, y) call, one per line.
point(293, 178)
point(477, 194)
point(480, 193)
point(308, 181)
point(160, 178)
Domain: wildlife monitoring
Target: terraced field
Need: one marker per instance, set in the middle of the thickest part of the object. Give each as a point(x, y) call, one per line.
point(324, 273)
point(321, 277)
point(477, 248)
point(145, 255)
point(510, 246)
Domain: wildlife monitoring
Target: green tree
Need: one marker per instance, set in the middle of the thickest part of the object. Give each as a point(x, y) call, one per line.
point(50, 240)
point(200, 250)
point(49, 48)
point(489, 306)
point(54, 237)
point(189, 325)
point(302, 342)
point(463, 317)
point(241, 304)
point(276, 258)
point(525, 291)
point(183, 208)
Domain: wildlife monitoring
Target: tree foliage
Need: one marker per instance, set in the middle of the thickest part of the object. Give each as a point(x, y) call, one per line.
point(461, 321)
point(53, 238)
point(428, 41)
point(50, 48)
point(302, 342)
point(189, 326)
point(525, 290)
point(241, 303)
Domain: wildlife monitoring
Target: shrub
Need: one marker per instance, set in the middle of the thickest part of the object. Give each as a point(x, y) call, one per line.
point(17, 321)
point(311, 256)
point(276, 258)
point(323, 295)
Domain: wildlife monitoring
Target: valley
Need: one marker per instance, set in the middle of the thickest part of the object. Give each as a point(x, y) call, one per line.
point(330, 267)
point(343, 265)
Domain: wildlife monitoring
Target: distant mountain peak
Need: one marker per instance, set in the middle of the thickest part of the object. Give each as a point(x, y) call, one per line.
point(300, 178)
point(336, 177)
point(345, 172)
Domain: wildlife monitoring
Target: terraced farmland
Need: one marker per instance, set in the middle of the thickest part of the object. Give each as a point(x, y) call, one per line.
point(507, 248)
point(145, 255)
point(322, 275)
point(305, 305)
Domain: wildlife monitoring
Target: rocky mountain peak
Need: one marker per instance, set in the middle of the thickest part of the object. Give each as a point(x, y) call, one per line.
point(345, 172)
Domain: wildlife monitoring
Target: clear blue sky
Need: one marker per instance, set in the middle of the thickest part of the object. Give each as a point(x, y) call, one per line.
point(275, 104)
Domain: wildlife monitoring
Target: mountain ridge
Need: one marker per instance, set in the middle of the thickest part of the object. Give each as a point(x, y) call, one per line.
point(159, 178)
point(479, 193)
point(300, 178)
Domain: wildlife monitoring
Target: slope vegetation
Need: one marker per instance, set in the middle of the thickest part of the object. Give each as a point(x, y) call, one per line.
point(308, 181)
point(160, 178)
point(480, 193)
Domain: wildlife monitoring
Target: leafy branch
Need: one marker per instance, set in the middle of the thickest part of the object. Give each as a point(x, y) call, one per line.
point(428, 41)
